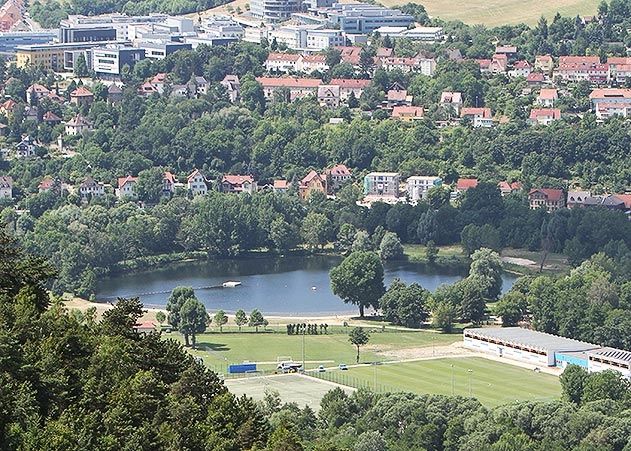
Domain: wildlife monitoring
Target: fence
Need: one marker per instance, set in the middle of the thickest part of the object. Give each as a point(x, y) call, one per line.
point(344, 378)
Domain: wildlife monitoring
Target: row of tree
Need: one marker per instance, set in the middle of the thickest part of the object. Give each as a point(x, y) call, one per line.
point(307, 329)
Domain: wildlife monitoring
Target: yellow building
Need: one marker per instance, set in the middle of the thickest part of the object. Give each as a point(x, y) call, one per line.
point(55, 57)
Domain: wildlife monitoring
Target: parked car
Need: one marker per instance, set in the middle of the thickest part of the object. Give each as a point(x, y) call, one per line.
point(321, 369)
point(343, 367)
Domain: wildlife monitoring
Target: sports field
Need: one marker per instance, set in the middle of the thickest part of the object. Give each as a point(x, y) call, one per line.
point(304, 391)
point(501, 12)
point(491, 382)
point(218, 350)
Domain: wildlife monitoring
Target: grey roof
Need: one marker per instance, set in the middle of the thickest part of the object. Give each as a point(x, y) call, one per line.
point(532, 339)
point(614, 354)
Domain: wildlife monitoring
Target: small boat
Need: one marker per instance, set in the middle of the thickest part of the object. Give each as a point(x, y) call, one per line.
point(231, 284)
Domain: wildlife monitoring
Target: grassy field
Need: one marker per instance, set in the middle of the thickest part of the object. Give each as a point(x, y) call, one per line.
point(501, 12)
point(220, 350)
point(304, 391)
point(491, 382)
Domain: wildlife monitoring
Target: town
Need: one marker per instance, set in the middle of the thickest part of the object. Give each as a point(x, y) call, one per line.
point(315, 225)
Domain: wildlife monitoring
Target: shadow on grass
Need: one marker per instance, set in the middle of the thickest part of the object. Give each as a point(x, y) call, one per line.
point(213, 347)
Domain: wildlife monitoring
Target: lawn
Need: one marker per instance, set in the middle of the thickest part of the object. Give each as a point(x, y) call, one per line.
point(417, 252)
point(491, 382)
point(502, 12)
point(220, 350)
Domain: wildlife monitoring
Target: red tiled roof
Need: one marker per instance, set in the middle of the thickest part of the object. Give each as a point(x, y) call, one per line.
point(505, 49)
point(49, 116)
point(548, 94)
point(484, 63)
point(619, 60)
point(289, 82)
point(396, 95)
point(309, 177)
point(542, 58)
point(384, 52)
point(36, 87)
point(521, 65)
point(536, 113)
point(194, 174)
point(79, 121)
point(505, 186)
point(350, 83)
point(122, 181)
point(465, 184)
point(552, 195)
point(8, 105)
point(81, 91)
point(237, 179)
point(314, 58)
point(484, 112)
point(46, 183)
point(535, 77)
point(159, 78)
point(579, 60)
point(611, 93)
point(338, 169)
point(170, 177)
point(626, 198)
point(281, 184)
point(277, 56)
point(407, 111)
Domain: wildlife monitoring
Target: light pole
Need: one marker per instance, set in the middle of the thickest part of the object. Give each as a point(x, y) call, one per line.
point(453, 387)
point(433, 347)
point(470, 372)
point(374, 366)
point(303, 351)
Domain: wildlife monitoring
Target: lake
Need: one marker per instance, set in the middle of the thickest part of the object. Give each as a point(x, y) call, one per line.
point(275, 285)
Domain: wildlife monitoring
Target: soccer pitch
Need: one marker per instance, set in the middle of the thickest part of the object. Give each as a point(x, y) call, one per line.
point(304, 391)
point(491, 382)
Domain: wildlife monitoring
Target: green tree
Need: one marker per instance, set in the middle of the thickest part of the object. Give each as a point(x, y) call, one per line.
point(358, 337)
point(573, 383)
point(80, 66)
point(220, 319)
point(431, 252)
point(150, 183)
point(256, 320)
point(605, 385)
point(405, 305)
point(282, 234)
point(193, 319)
point(474, 237)
point(316, 229)
point(240, 318)
point(390, 247)
point(176, 300)
point(161, 317)
point(444, 315)
point(511, 308)
point(359, 280)
point(345, 238)
point(486, 267)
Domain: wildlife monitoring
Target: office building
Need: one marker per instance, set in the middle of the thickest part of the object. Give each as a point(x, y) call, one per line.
point(425, 34)
point(160, 50)
point(11, 39)
point(108, 61)
point(274, 10)
point(48, 56)
point(418, 186)
point(362, 18)
point(383, 184)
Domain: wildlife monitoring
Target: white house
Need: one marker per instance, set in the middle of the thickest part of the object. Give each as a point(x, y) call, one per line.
point(547, 97)
point(418, 186)
point(480, 117)
point(453, 100)
point(91, 188)
point(126, 186)
point(196, 183)
point(78, 125)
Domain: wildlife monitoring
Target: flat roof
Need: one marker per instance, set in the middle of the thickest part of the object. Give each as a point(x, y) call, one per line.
point(532, 339)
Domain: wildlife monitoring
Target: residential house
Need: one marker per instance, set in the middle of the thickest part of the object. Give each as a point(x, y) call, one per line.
point(82, 97)
point(535, 79)
point(578, 68)
point(127, 187)
point(521, 68)
point(90, 188)
point(312, 182)
point(547, 97)
point(198, 85)
point(544, 116)
point(78, 125)
point(336, 176)
point(544, 63)
point(280, 186)
point(507, 188)
point(499, 63)
point(31, 113)
point(25, 148)
point(282, 62)
point(508, 50)
point(548, 198)
point(382, 184)
point(577, 198)
point(36, 92)
point(168, 184)
point(418, 186)
point(313, 63)
point(350, 54)
point(425, 66)
point(146, 89)
point(46, 184)
point(6, 187)
point(7, 107)
point(196, 183)
point(296, 87)
point(329, 96)
point(463, 185)
point(408, 113)
point(238, 184)
point(51, 118)
point(485, 65)
point(619, 68)
point(397, 96)
point(610, 102)
point(450, 100)
point(350, 85)
point(480, 117)
point(232, 85)
point(114, 94)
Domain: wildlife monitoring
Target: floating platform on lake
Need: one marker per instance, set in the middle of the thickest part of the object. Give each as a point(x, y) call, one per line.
point(231, 284)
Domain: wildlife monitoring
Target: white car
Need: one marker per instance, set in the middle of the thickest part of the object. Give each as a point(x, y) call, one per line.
point(321, 369)
point(343, 367)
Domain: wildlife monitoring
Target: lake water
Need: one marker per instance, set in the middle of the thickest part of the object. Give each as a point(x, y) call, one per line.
point(274, 285)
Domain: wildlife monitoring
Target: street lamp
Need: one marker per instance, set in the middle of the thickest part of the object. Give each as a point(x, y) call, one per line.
point(453, 388)
point(304, 368)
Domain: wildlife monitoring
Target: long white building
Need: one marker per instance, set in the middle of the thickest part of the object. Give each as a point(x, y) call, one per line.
point(541, 349)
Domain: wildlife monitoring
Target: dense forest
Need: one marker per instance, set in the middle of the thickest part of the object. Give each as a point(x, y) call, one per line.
point(72, 381)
